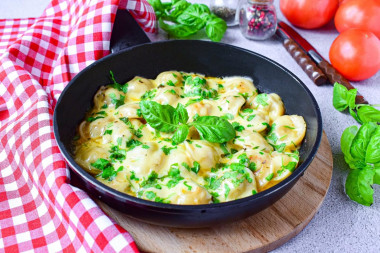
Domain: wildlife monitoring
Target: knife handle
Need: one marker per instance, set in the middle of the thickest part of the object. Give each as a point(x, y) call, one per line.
point(334, 76)
point(305, 62)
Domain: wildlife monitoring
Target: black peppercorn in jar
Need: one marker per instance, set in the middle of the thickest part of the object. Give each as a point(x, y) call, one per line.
point(225, 9)
point(257, 19)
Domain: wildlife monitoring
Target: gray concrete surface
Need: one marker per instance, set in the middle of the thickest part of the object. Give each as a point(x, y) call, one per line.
point(340, 225)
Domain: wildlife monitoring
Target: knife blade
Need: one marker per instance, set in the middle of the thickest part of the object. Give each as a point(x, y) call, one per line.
point(303, 60)
point(332, 74)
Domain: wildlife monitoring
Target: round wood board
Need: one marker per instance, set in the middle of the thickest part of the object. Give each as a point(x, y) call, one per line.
point(261, 232)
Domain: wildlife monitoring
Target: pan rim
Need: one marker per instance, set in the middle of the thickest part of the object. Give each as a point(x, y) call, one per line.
point(190, 208)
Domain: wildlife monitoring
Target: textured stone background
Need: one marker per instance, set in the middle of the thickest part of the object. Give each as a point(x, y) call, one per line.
point(340, 225)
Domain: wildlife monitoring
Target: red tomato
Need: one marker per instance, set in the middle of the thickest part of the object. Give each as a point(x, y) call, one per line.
point(363, 14)
point(355, 53)
point(309, 14)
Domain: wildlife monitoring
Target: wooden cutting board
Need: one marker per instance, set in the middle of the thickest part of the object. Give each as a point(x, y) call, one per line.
point(261, 232)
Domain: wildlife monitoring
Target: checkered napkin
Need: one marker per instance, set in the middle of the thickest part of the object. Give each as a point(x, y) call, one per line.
point(39, 209)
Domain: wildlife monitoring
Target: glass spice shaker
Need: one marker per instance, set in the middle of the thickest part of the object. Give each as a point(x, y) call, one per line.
point(257, 19)
point(225, 9)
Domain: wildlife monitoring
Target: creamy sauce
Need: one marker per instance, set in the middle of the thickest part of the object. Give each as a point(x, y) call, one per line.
point(118, 147)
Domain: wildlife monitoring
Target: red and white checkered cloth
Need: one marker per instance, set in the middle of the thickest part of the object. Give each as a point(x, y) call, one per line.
point(39, 209)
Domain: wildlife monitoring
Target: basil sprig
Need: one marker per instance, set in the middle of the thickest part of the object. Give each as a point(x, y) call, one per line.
point(166, 118)
point(360, 146)
point(362, 113)
point(181, 19)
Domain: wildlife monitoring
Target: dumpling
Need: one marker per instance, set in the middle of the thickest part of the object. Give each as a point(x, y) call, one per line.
point(287, 132)
point(231, 182)
point(168, 95)
point(169, 78)
point(144, 159)
point(85, 155)
point(138, 87)
point(239, 85)
point(269, 104)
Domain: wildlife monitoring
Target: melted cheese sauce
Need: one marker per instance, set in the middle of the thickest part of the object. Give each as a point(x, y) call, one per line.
point(117, 147)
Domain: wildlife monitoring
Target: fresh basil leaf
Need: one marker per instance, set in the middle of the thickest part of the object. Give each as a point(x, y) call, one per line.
point(215, 28)
point(358, 186)
point(373, 148)
point(181, 111)
point(214, 129)
point(376, 178)
point(180, 135)
point(351, 98)
point(159, 7)
point(343, 98)
point(354, 115)
point(360, 142)
point(193, 16)
point(346, 141)
point(177, 8)
point(161, 117)
point(367, 113)
point(340, 97)
point(177, 30)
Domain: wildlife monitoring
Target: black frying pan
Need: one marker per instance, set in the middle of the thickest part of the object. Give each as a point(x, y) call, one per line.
point(211, 59)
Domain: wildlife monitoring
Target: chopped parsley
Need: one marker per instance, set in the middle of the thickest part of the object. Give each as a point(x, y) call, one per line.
point(291, 166)
point(108, 171)
point(150, 195)
point(172, 92)
point(170, 83)
point(117, 101)
point(237, 126)
point(133, 176)
point(149, 95)
point(244, 95)
point(117, 153)
point(138, 132)
point(167, 150)
point(196, 167)
point(192, 101)
point(269, 177)
point(116, 85)
point(248, 110)
point(227, 190)
point(175, 176)
point(251, 117)
point(189, 187)
point(262, 99)
point(131, 144)
point(151, 181)
point(91, 119)
point(108, 131)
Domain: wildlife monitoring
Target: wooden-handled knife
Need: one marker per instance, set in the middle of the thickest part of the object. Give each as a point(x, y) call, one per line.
point(332, 74)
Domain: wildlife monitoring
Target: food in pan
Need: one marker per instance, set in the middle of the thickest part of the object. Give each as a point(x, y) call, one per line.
point(185, 138)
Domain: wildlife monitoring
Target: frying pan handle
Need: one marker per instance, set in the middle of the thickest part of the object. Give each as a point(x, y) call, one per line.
point(126, 32)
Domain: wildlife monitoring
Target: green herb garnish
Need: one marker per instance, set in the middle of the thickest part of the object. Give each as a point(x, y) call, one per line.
point(360, 146)
point(166, 118)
